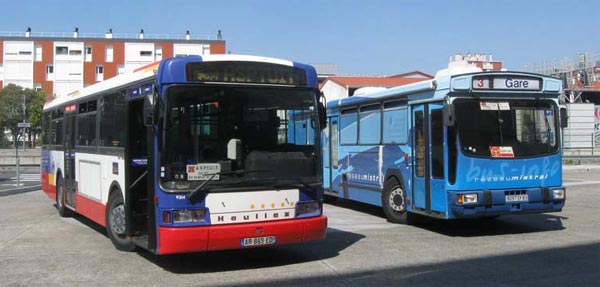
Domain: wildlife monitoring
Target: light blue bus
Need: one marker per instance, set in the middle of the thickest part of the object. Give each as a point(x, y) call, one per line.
point(471, 145)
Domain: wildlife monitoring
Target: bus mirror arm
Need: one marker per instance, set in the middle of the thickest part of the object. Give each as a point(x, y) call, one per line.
point(322, 110)
point(564, 118)
point(449, 116)
point(149, 110)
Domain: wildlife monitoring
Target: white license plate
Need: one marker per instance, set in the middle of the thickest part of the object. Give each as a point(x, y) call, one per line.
point(517, 198)
point(257, 241)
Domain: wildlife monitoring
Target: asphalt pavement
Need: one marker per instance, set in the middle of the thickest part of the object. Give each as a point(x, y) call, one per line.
point(39, 248)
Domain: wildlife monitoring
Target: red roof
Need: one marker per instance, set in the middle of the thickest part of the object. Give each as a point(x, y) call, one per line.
point(373, 81)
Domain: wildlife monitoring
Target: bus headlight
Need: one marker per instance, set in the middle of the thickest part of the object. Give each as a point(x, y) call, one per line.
point(559, 193)
point(188, 215)
point(307, 207)
point(467, 198)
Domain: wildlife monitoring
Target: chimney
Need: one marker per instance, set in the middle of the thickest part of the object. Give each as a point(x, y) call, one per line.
point(28, 32)
point(187, 34)
point(142, 34)
point(109, 34)
point(76, 33)
point(219, 36)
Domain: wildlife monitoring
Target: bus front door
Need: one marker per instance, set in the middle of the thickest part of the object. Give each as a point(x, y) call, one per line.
point(331, 176)
point(69, 157)
point(428, 191)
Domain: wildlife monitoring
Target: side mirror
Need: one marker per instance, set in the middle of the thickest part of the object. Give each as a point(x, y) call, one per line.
point(149, 108)
point(449, 117)
point(322, 115)
point(564, 118)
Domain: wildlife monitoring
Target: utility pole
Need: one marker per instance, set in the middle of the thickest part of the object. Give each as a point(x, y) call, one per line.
point(24, 120)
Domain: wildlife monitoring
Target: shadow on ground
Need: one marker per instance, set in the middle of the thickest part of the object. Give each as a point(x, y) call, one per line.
point(507, 224)
point(253, 258)
point(569, 266)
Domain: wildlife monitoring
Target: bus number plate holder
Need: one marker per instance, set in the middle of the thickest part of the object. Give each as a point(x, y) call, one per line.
point(517, 198)
point(258, 241)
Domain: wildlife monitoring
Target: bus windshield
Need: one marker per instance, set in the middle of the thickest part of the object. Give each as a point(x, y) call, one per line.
point(506, 128)
point(248, 136)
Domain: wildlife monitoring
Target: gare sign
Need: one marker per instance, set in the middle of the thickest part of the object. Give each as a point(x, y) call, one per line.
point(506, 83)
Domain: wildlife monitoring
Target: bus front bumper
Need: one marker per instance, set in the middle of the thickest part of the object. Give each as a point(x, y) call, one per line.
point(230, 236)
point(494, 202)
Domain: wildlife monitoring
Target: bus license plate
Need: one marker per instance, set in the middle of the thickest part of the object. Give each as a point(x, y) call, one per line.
point(257, 241)
point(517, 198)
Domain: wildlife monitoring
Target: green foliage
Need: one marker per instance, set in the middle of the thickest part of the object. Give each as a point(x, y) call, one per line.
point(11, 108)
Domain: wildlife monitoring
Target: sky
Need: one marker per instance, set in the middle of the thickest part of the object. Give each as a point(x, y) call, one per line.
point(374, 37)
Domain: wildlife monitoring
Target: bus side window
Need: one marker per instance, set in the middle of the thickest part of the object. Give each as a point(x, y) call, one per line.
point(437, 143)
point(334, 144)
point(419, 145)
point(349, 127)
point(394, 123)
point(370, 124)
point(112, 120)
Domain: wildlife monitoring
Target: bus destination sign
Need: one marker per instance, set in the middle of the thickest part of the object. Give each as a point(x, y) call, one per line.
point(506, 83)
point(246, 73)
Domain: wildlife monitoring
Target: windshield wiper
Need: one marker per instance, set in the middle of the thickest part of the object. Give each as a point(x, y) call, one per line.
point(300, 181)
point(192, 196)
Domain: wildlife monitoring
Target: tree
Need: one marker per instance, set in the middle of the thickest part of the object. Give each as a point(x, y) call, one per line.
point(11, 109)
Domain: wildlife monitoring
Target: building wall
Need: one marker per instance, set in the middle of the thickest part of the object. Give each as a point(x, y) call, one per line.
point(217, 48)
point(40, 64)
point(333, 91)
point(18, 63)
point(80, 60)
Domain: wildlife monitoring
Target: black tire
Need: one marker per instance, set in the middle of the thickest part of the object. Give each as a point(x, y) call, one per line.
point(393, 201)
point(116, 227)
point(61, 192)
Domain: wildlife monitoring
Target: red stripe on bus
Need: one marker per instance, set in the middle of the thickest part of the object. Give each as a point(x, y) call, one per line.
point(146, 66)
point(48, 188)
point(91, 209)
point(194, 239)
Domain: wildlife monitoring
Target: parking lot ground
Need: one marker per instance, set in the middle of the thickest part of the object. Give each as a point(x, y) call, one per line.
point(39, 248)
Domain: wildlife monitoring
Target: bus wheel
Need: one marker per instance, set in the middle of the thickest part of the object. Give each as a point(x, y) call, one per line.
point(116, 226)
point(63, 211)
point(393, 200)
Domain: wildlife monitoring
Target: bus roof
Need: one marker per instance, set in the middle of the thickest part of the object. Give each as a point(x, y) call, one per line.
point(140, 74)
point(443, 84)
point(172, 70)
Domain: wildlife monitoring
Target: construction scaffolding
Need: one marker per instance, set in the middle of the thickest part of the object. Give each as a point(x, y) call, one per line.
point(580, 74)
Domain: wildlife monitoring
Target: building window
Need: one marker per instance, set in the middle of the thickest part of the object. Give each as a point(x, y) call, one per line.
point(158, 53)
point(99, 73)
point(37, 87)
point(109, 54)
point(88, 53)
point(38, 53)
point(75, 52)
point(49, 72)
point(62, 50)
point(146, 53)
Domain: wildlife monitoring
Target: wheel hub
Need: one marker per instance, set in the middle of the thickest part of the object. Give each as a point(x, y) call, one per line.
point(117, 219)
point(397, 199)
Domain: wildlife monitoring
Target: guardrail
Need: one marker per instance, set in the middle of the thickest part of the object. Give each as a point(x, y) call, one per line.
point(103, 35)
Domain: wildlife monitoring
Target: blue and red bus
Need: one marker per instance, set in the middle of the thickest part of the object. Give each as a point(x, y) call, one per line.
point(191, 154)
point(480, 144)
